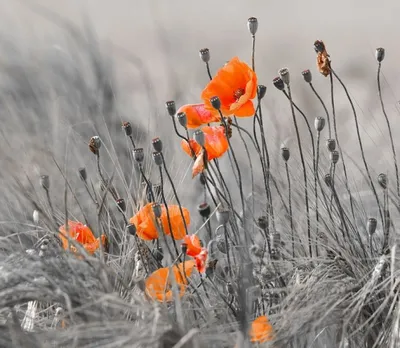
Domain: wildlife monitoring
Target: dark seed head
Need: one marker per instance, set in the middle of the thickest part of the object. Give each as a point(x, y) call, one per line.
point(223, 216)
point(319, 123)
point(319, 46)
point(131, 229)
point(278, 83)
point(157, 210)
point(204, 209)
point(138, 154)
point(182, 119)
point(205, 55)
point(383, 180)
point(127, 127)
point(285, 75)
point(252, 25)
point(171, 108)
point(82, 173)
point(262, 222)
point(157, 158)
point(121, 204)
point(380, 54)
point(307, 76)
point(371, 225)
point(262, 90)
point(199, 137)
point(45, 182)
point(95, 144)
point(157, 144)
point(328, 180)
point(334, 156)
point(215, 102)
point(285, 153)
point(331, 145)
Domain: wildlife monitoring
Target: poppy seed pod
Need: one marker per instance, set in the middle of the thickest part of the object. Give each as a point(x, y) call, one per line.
point(171, 108)
point(205, 55)
point(215, 102)
point(204, 209)
point(307, 76)
point(157, 210)
point(182, 119)
point(285, 153)
point(319, 123)
point(371, 226)
point(131, 229)
point(262, 90)
point(328, 180)
point(380, 54)
point(334, 156)
point(319, 46)
point(285, 75)
point(223, 216)
point(121, 204)
point(276, 240)
point(82, 173)
point(138, 155)
point(198, 136)
point(158, 254)
point(262, 222)
point(278, 83)
point(127, 127)
point(252, 25)
point(331, 144)
point(157, 158)
point(383, 180)
point(95, 144)
point(184, 248)
point(45, 182)
point(157, 144)
point(35, 216)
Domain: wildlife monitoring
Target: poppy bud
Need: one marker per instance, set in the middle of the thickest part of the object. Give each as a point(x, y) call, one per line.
point(331, 145)
point(205, 55)
point(171, 108)
point(319, 46)
point(380, 54)
point(121, 204)
point(35, 216)
point(223, 216)
point(158, 254)
point(82, 173)
point(383, 180)
point(204, 209)
point(182, 119)
point(138, 155)
point(334, 156)
point(157, 158)
point(157, 210)
point(285, 75)
point(95, 144)
point(256, 250)
point(262, 222)
point(202, 179)
point(319, 123)
point(278, 83)
point(328, 180)
point(127, 127)
point(131, 229)
point(371, 226)
point(157, 144)
point(252, 25)
point(184, 248)
point(285, 153)
point(262, 90)
point(307, 76)
point(215, 102)
point(45, 182)
point(198, 136)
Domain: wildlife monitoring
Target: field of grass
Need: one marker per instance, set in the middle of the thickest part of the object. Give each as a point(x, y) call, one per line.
point(158, 193)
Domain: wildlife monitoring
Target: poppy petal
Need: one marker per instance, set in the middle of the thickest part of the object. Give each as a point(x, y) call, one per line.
point(197, 115)
point(198, 166)
point(246, 110)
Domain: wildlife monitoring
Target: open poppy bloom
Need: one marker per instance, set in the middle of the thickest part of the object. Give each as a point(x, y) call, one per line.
point(197, 115)
point(195, 250)
point(158, 285)
point(146, 227)
point(81, 234)
point(236, 85)
point(261, 330)
point(216, 144)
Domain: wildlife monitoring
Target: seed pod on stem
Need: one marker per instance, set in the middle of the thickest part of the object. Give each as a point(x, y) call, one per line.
point(334, 156)
point(371, 226)
point(278, 83)
point(383, 180)
point(307, 76)
point(215, 102)
point(331, 145)
point(95, 144)
point(157, 144)
point(262, 90)
point(171, 108)
point(45, 182)
point(138, 155)
point(127, 127)
point(380, 54)
point(182, 119)
point(285, 153)
point(198, 136)
point(205, 55)
point(252, 25)
point(204, 209)
point(285, 75)
point(157, 158)
point(319, 123)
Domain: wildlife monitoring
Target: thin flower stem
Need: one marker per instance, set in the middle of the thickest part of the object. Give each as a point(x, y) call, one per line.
point(253, 52)
point(227, 251)
point(208, 71)
point(147, 182)
point(304, 170)
point(290, 205)
point(389, 128)
point(316, 192)
point(325, 108)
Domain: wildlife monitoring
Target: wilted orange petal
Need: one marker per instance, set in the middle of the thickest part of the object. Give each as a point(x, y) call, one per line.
point(261, 330)
point(193, 245)
point(198, 166)
point(201, 260)
point(197, 115)
point(193, 144)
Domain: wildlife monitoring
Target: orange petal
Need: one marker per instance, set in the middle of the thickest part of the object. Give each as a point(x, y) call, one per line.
point(198, 166)
point(197, 115)
point(201, 260)
point(193, 245)
point(216, 142)
point(144, 220)
point(176, 221)
point(246, 110)
point(261, 330)
point(191, 146)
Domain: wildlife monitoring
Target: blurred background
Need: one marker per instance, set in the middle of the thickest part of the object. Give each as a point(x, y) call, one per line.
point(74, 69)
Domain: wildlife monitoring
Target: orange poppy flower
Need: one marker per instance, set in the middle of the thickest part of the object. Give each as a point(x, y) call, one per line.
point(146, 227)
point(236, 85)
point(261, 330)
point(158, 285)
point(193, 245)
point(81, 234)
point(197, 115)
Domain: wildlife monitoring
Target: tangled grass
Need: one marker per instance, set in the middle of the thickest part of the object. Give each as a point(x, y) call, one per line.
point(293, 243)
